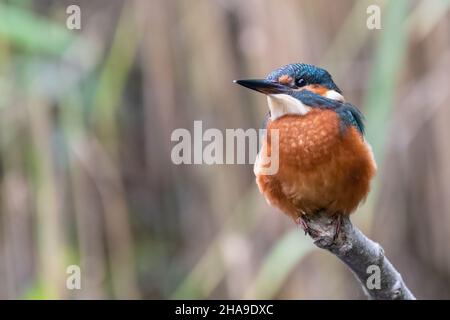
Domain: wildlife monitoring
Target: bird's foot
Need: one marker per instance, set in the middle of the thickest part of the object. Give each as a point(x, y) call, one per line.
point(337, 229)
point(302, 222)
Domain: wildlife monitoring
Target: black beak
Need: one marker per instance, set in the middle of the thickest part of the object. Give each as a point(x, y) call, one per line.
point(263, 86)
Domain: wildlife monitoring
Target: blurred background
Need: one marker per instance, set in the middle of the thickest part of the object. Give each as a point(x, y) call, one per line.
point(86, 118)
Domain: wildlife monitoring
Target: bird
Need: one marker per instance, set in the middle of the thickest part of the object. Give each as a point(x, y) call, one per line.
point(325, 162)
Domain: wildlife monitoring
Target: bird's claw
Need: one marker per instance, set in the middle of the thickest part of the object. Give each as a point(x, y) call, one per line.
point(337, 229)
point(302, 221)
point(302, 224)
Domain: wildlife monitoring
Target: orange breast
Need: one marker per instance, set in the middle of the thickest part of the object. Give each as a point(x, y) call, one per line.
point(319, 167)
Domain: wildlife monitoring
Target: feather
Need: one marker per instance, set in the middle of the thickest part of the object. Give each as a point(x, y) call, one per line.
point(348, 113)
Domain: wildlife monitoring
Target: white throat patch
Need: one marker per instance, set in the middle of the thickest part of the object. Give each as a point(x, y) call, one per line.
point(281, 104)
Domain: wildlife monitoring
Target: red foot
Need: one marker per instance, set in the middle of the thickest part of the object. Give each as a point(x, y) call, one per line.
point(338, 226)
point(302, 224)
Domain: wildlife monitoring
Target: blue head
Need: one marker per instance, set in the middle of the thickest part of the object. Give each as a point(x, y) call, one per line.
point(297, 88)
point(294, 77)
point(299, 75)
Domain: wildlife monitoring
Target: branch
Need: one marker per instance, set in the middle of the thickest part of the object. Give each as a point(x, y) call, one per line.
point(358, 252)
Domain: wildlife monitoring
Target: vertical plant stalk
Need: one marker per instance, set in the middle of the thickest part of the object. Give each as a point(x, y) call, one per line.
point(360, 254)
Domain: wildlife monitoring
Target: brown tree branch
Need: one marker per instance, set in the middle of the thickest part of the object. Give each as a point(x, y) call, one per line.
point(361, 255)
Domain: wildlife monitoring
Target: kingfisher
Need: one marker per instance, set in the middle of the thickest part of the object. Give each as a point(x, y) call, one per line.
point(325, 162)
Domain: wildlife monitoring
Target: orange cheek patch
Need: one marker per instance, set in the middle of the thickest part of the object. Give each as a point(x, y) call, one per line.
point(285, 79)
point(317, 89)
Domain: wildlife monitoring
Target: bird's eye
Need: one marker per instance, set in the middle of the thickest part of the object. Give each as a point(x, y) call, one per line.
point(300, 82)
